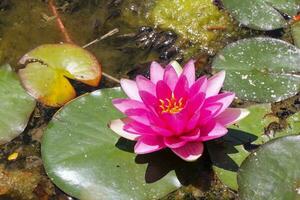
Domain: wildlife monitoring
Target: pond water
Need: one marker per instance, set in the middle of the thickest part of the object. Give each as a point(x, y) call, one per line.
point(27, 24)
point(146, 32)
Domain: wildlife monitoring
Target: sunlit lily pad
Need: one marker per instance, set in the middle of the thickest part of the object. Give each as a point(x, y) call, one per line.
point(296, 33)
point(80, 156)
point(260, 69)
point(262, 14)
point(48, 68)
point(229, 152)
point(16, 105)
point(272, 172)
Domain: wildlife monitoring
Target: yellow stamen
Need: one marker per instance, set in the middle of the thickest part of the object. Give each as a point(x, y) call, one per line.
point(171, 105)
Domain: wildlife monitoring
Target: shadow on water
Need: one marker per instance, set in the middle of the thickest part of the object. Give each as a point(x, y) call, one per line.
point(162, 162)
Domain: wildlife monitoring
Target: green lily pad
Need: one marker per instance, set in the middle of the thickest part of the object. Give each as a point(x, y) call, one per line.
point(272, 172)
point(265, 69)
point(80, 156)
point(229, 152)
point(296, 33)
point(16, 105)
point(48, 68)
point(262, 14)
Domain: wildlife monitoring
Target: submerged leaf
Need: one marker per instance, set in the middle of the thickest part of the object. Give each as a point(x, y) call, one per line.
point(260, 69)
point(272, 172)
point(16, 105)
point(81, 158)
point(262, 14)
point(49, 67)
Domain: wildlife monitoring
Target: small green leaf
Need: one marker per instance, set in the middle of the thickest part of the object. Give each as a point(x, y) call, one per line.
point(272, 172)
point(16, 105)
point(80, 156)
point(262, 14)
point(265, 69)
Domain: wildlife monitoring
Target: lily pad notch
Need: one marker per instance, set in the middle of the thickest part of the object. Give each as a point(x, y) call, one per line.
point(48, 68)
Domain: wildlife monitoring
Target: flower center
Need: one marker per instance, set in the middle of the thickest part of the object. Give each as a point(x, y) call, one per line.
point(171, 105)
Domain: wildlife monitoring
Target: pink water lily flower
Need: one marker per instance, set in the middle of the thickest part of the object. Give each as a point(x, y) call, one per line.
point(173, 110)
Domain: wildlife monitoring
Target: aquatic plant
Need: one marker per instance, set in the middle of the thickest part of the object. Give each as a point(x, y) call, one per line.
point(48, 67)
point(171, 117)
point(173, 110)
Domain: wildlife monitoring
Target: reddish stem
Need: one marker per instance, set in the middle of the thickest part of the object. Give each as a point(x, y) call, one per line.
point(60, 24)
point(296, 18)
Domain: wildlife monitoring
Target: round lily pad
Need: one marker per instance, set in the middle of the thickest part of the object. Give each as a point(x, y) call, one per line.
point(80, 156)
point(260, 69)
point(272, 172)
point(262, 14)
point(228, 153)
point(48, 68)
point(16, 105)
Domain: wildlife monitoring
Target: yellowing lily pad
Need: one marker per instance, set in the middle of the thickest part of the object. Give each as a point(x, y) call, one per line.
point(48, 68)
point(16, 106)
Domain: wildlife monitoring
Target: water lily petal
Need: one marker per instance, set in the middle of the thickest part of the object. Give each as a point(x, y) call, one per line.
point(170, 77)
point(162, 131)
point(150, 101)
point(193, 121)
point(145, 84)
point(231, 116)
point(130, 89)
point(199, 86)
point(189, 72)
point(148, 144)
point(190, 152)
point(139, 115)
point(118, 127)
point(176, 122)
point(181, 88)
point(225, 99)
point(174, 142)
point(124, 104)
point(191, 136)
point(156, 72)
point(215, 84)
point(195, 103)
point(163, 91)
point(176, 66)
point(208, 112)
point(212, 130)
point(146, 123)
point(136, 127)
